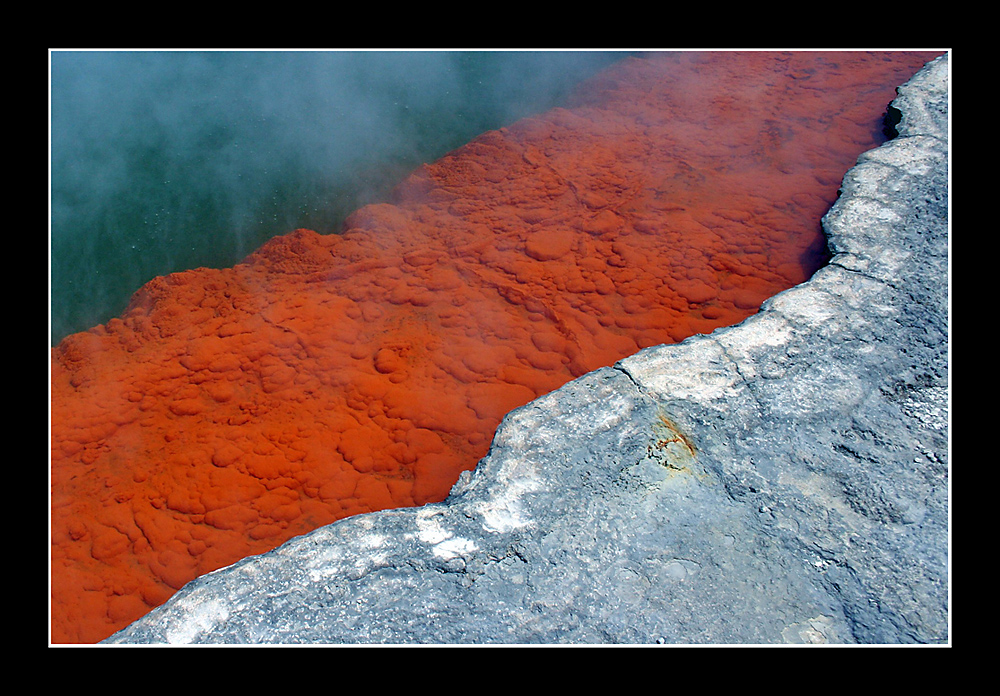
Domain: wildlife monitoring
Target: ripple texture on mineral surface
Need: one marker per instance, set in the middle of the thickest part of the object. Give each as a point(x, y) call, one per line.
point(226, 411)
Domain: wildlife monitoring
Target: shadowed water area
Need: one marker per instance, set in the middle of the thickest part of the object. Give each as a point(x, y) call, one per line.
point(227, 410)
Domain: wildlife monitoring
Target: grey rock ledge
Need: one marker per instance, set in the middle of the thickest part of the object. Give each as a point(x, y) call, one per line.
point(784, 480)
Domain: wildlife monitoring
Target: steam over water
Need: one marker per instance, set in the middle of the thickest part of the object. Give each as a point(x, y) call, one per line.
point(166, 161)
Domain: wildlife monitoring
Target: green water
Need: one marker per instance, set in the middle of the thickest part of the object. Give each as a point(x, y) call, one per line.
point(166, 161)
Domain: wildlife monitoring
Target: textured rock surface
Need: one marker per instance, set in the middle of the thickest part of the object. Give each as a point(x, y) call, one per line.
point(781, 480)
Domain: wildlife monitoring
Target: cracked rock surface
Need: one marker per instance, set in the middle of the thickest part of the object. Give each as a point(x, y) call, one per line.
point(784, 480)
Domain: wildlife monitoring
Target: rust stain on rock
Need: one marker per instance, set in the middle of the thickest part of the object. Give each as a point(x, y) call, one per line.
point(671, 448)
point(670, 435)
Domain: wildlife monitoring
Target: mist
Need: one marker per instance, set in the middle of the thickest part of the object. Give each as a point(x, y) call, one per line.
point(163, 161)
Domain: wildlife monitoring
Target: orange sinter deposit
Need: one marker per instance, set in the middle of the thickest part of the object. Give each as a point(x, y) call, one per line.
point(226, 411)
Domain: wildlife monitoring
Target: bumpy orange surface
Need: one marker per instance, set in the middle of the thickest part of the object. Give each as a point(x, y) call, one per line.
point(228, 410)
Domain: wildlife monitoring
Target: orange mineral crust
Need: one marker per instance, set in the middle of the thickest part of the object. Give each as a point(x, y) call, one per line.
point(226, 411)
